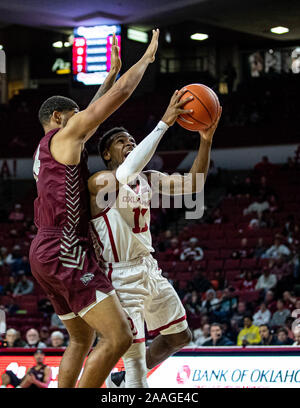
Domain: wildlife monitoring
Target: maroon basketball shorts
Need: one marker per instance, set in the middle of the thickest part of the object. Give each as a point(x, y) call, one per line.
point(69, 274)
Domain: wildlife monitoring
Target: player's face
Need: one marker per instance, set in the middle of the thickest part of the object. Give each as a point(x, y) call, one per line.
point(39, 357)
point(120, 148)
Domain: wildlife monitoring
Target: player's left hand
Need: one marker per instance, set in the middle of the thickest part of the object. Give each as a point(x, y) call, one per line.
point(208, 133)
point(116, 62)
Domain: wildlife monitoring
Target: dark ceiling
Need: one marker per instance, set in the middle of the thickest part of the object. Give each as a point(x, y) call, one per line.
point(254, 17)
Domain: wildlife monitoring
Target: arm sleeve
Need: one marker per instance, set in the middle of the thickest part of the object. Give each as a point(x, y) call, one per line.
point(141, 155)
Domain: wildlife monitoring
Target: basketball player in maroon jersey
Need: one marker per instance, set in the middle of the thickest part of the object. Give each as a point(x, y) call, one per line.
point(122, 239)
point(61, 256)
point(38, 376)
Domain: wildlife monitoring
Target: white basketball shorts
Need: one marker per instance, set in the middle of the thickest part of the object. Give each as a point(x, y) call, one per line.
point(147, 296)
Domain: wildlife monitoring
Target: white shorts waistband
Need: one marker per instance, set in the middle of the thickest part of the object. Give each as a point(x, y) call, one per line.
point(132, 262)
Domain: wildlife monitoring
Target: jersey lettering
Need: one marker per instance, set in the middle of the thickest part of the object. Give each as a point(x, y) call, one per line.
point(137, 212)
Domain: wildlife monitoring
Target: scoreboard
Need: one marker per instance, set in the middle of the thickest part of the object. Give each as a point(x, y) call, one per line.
point(91, 57)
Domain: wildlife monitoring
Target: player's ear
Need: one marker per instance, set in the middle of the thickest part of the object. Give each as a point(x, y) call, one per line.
point(106, 155)
point(57, 117)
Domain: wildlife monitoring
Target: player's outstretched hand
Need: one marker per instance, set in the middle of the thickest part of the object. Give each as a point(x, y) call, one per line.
point(151, 50)
point(208, 134)
point(116, 62)
point(175, 108)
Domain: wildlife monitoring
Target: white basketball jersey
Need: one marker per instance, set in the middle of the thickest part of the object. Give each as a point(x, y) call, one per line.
point(122, 232)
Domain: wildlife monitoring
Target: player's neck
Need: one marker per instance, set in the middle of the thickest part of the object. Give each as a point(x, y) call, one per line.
point(48, 128)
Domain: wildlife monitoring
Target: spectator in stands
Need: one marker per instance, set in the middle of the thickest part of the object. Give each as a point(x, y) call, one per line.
point(192, 303)
point(13, 340)
point(57, 339)
point(10, 287)
point(262, 316)
point(217, 217)
point(217, 337)
point(267, 337)
point(277, 250)
point(45, 335)
point(270, 301)
point(248, 283)
point(259, 248)
point(279, 317)
point(202, 334)
point(33, 339)
point(200, 282)
point(3, 255)
point(297, 337)
point(264, 167)
point(210, 303)
point(283, 338)
point(247, 187)
point(17, 214)
point(45, 307)
point(31, 233)
point(244, 251)
point(165, 241)
point(24, 287)
point(266, 280)
point(249, 335)
point(192, 252)
point(218, 281)
point(258, 206)
point(289, 299)
point(266, 220)
point(173, 252)
point(56, 322)
point(273, 202)
point(15, 256)
point(238, 315)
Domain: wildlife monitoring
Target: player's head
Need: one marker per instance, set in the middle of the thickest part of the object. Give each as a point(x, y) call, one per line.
point(115, 145)
point(39, 356)
point(56, 111)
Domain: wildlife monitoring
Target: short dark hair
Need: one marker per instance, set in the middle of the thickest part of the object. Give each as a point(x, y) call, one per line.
point(106, 140)
point(55, 103)
point(282, 329)
point(217, 324)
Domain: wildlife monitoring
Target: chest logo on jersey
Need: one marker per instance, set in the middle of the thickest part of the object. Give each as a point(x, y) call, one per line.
point(86, 278)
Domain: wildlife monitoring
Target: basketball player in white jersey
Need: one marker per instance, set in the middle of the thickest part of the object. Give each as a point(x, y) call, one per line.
point(122, 240)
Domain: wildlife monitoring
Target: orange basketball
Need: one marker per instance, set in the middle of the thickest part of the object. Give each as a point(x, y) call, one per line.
point(205, 107)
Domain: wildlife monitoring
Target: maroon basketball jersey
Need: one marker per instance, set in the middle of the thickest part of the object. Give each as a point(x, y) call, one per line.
point(63, 197)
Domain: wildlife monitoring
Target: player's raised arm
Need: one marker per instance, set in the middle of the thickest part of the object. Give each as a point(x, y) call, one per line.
point(85, 121)
point(177, 184)
point(115, 68)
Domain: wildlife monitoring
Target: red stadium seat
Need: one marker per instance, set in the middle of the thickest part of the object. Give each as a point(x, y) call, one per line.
point(214, 265)
point(211, 254)
point(231, 264)
point(225, 253)
point(248, 263)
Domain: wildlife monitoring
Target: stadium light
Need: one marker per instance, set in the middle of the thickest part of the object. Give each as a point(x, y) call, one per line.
point(57, 44)
point(67, 44)
point(1, 47)
point(137, 35)
point(199, 36)
point(279, 30)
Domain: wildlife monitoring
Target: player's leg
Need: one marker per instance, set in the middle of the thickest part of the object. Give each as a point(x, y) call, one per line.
point(164, 313)
point(107, 318)
point(164, 345)
point(81, 339)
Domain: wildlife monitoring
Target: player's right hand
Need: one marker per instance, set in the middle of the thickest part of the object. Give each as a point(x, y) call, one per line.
point(151, 50)
point(175, 108)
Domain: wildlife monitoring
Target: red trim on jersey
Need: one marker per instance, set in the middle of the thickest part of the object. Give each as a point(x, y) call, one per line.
point(109, 271)
point(100, 214)
point(111, 238)
point(151, 332)
point(139, 340)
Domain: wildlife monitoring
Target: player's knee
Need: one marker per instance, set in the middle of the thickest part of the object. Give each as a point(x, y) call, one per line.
point(179, 340)
point(124, 341)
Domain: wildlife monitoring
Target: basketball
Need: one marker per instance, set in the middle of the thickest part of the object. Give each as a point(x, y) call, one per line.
point(205, 107)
